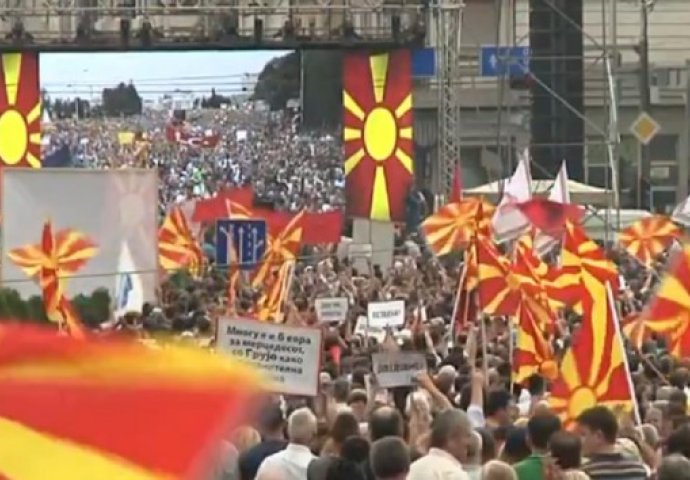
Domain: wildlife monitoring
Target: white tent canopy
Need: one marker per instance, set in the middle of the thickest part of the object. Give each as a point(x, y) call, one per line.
point(580, 193)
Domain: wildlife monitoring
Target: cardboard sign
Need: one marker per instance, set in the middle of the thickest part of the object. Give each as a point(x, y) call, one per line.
point(397, 369)
point(331, 310)
point(386, 314)
point(290, 356)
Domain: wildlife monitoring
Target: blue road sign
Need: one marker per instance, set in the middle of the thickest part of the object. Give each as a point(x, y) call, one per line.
point(423, 62)
point(248, 237)
point(498, 61)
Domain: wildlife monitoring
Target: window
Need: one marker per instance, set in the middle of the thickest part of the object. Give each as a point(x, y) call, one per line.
point(664, 148)
point(663, 199)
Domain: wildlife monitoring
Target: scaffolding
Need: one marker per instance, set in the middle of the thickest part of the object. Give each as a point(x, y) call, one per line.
point(448, 23)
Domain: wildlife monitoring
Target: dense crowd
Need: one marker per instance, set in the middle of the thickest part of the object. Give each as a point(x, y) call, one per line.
point(463, 419)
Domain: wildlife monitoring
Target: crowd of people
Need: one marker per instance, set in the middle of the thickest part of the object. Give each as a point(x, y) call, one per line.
point(464, 418)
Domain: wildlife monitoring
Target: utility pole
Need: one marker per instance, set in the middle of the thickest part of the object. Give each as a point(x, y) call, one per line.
point(644, 165)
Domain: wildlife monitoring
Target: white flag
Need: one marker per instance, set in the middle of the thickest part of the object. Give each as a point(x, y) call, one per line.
point(129, 291)
point(509, 222)
point(561, 194)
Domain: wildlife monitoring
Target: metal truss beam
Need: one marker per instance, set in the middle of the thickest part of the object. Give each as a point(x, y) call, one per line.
point(448, 19)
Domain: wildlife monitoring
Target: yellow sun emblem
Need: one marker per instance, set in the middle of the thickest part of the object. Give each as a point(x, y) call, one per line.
point(377, 101)
point(20, 110)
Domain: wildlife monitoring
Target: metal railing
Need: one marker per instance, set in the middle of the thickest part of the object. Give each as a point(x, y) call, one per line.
point(35, 24)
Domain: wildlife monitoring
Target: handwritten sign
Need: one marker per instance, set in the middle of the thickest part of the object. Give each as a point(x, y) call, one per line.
point(397, 369)
point(290, 356)
point(386, 314)
point(331, 310)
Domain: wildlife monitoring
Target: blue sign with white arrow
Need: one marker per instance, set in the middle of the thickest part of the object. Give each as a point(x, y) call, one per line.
point(499, 61)
point(247, 237)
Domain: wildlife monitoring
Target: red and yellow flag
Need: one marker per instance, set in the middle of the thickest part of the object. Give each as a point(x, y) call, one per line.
point(498, 289)
point(634, 328)
point(647, 238)
point(582, 261)
point(533, 352)
point(454, 225)
point(669, 310)
point(594, 369)
point(111, 409)
point(379, 165)
point(20, 110)
point(282, 248)
point(177, 247)
point(270, 304)
point(51, 262)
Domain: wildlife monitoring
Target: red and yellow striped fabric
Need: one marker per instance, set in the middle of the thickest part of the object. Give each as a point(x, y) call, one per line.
point(111, 409)
point(582, 261)
point(282, 248)
point(531, 272)
point(533, 352)
point(498, 289)
point(454, 225)
point(669, 310)
point(177, 247)
point(593, 370)
point(20, 110)
point(379, 150)
point(634, 328)
point(647, 238)
point(271, 302)
point(51, 262)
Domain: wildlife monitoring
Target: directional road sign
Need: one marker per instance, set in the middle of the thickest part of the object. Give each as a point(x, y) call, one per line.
point(645, 128)
point(497, 61)
point(248, 237)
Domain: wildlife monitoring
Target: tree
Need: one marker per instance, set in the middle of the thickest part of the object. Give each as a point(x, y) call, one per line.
point(123, 100)
point(92, 309)
point(281, 80)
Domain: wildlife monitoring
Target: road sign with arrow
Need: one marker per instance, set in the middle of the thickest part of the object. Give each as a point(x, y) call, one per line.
point(496, 61)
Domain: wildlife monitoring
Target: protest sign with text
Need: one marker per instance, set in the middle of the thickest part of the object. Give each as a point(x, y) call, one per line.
point(397, 369)
point(331, 310)
point(386, 314)
point(290, 356)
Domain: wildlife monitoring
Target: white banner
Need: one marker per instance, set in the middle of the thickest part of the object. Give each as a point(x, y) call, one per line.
point(386, 314)
point(290, 356)
point(397, 369)
point(331, 310)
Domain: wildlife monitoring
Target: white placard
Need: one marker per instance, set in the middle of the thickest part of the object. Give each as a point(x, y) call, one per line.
point(397, 369)
point(331, 310)
point(290, 356)
point(361, 329)
point(386, 314)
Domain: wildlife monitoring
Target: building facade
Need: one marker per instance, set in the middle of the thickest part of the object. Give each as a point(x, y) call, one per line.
point(496, 112)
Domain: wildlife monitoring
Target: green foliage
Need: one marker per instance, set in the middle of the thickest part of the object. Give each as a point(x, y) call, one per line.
point(123, 100)
point(279, 81)
point(93, 309)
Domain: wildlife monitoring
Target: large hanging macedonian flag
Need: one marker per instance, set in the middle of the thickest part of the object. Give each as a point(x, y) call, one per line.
point(20, 110)
point(377, 101)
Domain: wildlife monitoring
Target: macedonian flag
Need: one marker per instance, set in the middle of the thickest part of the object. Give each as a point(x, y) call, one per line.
point(377, 101)
point(20, 110)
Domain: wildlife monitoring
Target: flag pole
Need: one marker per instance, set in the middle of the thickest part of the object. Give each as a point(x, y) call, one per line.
point(616, 324)
point(456, 305)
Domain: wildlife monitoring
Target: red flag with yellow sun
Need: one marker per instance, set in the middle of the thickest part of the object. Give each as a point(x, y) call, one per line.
point(594, 369)
point(20, 110)
point(377, 101)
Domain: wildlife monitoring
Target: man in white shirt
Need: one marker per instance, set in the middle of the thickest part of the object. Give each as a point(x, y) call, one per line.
point(294, 460)
point(450, 441)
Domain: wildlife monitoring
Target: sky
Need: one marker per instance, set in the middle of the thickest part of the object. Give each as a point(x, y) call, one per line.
point(154, 73)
